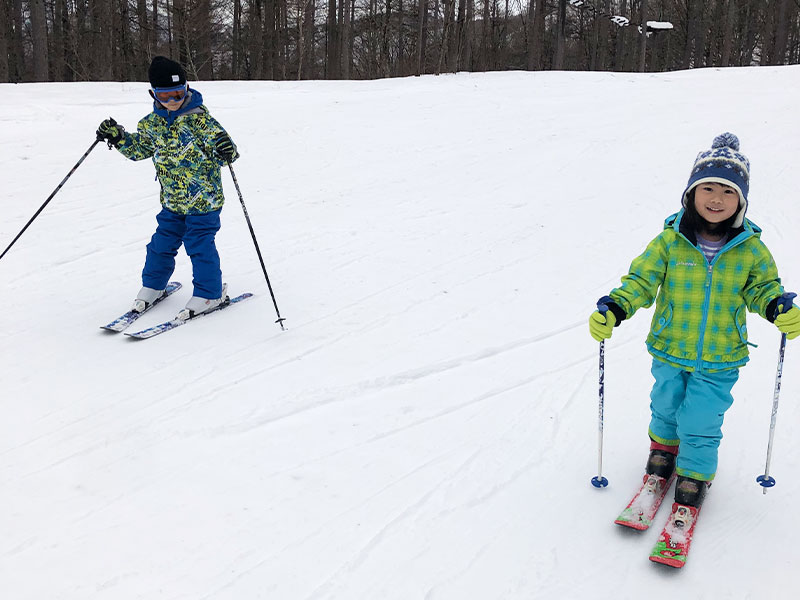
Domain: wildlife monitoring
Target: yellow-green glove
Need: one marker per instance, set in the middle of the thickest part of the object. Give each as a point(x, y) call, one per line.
point(789, 322)
point(602, 325)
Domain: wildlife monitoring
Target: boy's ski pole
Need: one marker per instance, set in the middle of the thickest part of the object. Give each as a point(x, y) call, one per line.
point(765, 480)
point(599, 481)
point(50, 197)
point(280, 319)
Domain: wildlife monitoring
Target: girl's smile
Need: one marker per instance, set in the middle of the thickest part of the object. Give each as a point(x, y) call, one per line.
point(716, 202)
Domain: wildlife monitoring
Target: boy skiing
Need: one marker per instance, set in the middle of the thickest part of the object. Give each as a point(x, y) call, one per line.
point(188, 147)
point(703, 271)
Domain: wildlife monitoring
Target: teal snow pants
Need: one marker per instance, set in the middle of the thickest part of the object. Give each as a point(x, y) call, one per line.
point(687, 409)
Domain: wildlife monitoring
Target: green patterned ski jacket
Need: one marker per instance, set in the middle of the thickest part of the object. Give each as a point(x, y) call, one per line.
point(700, 317)
point(182, 149)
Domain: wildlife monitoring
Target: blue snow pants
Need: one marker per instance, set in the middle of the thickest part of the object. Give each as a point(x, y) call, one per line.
point(196, 233)
point(687, 409)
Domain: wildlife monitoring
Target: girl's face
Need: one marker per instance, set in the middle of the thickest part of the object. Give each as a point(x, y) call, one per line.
point(715, 202)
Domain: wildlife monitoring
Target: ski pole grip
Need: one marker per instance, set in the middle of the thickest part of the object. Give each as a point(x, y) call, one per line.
point(784, 303)
point(602, 304)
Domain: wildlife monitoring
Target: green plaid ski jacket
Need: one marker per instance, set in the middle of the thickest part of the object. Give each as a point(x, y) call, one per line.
point(700, 317)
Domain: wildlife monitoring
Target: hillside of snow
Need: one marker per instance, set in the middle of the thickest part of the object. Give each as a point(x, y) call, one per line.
point(426, 426)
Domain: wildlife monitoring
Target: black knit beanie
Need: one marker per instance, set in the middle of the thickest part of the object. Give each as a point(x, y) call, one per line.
point(164, 73)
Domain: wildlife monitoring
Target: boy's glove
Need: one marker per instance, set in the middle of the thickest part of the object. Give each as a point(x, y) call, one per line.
point(224, 147)
point(789, 322)
point(111, 132)
point(601, 325)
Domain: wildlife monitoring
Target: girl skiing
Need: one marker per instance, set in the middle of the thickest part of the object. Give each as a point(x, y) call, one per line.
point(703, 271)
point(187, 146)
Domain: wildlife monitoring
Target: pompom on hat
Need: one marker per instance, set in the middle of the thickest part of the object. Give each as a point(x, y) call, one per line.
point(724, 164)
point(165, 73)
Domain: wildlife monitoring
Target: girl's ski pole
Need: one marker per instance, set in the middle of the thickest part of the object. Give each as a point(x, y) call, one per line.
point(765, 480)
point(599, 481)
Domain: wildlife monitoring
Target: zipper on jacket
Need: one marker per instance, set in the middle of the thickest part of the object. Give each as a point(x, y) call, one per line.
point(704, 322)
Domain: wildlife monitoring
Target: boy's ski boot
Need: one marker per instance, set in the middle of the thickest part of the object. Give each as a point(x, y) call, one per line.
point(146, 298)
point(197, 305)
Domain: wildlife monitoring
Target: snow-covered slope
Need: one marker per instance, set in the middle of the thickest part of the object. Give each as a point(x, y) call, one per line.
point(426, 428)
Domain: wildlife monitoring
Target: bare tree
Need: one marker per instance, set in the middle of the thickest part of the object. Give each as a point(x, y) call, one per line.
point(643, 35)
point(422, 35)
point(781, 31)
point(727, 40)
point(39, 38)
point(5, 23)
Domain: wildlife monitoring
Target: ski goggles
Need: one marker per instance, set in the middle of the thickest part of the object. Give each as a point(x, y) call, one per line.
point(170, 94)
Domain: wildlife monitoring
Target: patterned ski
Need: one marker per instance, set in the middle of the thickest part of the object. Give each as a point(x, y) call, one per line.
point(642, 508)
point(672, 548)
point(121, 323)
point(169, 325)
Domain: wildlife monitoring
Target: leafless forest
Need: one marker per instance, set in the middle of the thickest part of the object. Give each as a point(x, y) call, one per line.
point(110, 40)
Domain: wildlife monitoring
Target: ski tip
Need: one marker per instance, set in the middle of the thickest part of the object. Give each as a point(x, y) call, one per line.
point(636, 525)
point(599, 481)
point(670, 562)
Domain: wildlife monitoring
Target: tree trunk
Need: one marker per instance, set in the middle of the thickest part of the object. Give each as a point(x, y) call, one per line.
point(643, 36)
point(255, 49)
point(5, 23)
point(449, 7)
point(422, 36)
point(155, 42)
point(691, 36)
point(486, 37)
point(781, 33)
point(39, 39)
point(469, 36)
point(201, 25)
point(269, 52)
point(619, 50)
point(537, 36)
point(236, 40)
point(727, 39)
point(58, 46)
point(561, 36)
point(604, 38)
point(17, 70)
point(332, 58)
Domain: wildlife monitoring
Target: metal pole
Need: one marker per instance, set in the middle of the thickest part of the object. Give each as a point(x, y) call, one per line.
point(765, 480)
point(280, 319)
point(783, 305)
point(599, 481)
point(50, 197)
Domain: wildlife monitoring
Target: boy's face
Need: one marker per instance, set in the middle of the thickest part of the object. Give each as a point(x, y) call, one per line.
point(715, 202)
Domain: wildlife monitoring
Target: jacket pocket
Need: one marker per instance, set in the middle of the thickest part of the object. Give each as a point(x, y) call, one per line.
point(664, 319)
point(740, 322)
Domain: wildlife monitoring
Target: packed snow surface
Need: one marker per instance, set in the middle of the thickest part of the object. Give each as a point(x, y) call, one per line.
point(427, 425)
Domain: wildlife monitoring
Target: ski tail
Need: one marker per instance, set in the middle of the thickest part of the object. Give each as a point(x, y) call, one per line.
point(124, 321)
